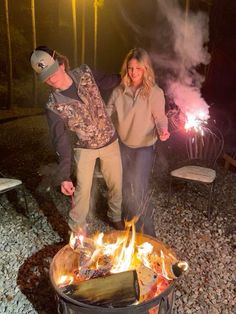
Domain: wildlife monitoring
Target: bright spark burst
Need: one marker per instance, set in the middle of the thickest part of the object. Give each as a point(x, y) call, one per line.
point(195, 121)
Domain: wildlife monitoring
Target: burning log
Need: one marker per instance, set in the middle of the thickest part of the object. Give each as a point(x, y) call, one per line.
point(117, 290)
point(87, 273)
point(147, 283)
point(147, 279)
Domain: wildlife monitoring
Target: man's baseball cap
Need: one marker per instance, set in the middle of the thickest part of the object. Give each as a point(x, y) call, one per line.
point(43, 64)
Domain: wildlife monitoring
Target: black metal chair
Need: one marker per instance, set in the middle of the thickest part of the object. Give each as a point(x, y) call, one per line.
point(203, 148)
point(9, 184)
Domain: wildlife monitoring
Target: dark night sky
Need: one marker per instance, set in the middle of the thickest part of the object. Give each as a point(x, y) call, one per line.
point(122, 25)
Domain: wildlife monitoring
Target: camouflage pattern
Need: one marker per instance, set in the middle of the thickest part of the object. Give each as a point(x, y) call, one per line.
point(87, 118)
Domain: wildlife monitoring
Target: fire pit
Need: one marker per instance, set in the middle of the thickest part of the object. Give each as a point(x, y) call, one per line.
point(118, 272)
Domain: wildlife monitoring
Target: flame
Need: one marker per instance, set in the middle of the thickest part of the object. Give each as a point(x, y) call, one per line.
point(75, 239)
point(91, 257)
point(65, 280)
point(163, 267)
point(123, 261)
point(124, 253)
point(143, 252)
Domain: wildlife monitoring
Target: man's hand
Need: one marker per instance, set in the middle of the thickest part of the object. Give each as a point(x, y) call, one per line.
point(67, 188)
point(164, 136)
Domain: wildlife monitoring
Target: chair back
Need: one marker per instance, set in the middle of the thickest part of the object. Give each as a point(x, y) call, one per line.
point(204, 147)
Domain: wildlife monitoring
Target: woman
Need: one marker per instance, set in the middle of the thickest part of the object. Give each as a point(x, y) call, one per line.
point(139, 108)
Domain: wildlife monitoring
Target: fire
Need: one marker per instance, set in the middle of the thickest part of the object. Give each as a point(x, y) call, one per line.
point(101, 255)
point(124, 253)
point(124, 261)
point(65, 280)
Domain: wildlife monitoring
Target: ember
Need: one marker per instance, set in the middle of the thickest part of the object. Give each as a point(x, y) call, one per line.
point(115, 269)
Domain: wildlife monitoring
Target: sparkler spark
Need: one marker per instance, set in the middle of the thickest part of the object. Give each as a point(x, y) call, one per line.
point(196, 121)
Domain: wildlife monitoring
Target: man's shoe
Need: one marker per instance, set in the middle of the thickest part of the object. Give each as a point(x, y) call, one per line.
point(118, 225)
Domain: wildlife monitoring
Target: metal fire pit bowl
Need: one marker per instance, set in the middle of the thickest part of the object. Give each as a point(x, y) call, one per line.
point(66, 258)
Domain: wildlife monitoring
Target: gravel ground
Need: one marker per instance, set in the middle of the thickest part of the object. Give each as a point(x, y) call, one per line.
point(30, 239)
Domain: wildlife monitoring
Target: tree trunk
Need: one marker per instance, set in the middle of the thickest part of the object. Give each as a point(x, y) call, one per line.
point(95, 33)
point(9, 60)
point(83, 32)
point(35, 94)
point(75, 39)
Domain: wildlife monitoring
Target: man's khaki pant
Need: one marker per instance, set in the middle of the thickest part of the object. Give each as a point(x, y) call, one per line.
point(111, 168)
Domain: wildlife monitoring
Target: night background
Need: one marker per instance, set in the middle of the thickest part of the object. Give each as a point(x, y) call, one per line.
point(192, 44)
point(120, 26)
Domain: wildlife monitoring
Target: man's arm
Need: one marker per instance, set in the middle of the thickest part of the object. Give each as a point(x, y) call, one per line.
point(106, 81)
point(62, 144)
point(110, 107)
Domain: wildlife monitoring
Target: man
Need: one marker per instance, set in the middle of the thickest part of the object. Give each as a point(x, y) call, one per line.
point(75, 105)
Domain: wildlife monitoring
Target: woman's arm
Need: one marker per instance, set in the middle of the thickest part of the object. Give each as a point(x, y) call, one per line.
point(158, 110)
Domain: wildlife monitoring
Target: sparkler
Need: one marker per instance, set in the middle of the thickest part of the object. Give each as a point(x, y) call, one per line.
point(196, 121)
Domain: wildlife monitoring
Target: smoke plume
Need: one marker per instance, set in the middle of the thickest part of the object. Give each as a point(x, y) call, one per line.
point(187, 35)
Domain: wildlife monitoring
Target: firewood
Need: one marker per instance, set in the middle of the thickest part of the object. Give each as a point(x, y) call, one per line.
point(147, 279)
point(117, 290)
point(87, 273)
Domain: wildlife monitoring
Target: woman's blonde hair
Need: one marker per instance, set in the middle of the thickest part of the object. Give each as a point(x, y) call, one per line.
point(148, 78)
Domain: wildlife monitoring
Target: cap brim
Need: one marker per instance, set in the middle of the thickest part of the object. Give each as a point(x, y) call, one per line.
point(44, 75)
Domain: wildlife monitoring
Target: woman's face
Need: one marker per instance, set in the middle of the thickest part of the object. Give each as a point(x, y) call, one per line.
point(135, 72)
point(57, 79)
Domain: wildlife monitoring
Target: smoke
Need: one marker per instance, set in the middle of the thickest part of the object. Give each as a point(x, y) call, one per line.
point(187, 35)
point(176, 39)
point(136, 21)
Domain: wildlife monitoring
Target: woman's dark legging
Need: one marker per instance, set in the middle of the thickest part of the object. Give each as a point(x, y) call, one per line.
point(137, 166)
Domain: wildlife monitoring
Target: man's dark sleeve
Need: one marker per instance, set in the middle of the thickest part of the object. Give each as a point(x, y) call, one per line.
point(106, 81)
point(62, 144)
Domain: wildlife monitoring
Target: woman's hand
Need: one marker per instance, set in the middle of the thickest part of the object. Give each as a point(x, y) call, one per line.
point(164, 135)
point(67, 188)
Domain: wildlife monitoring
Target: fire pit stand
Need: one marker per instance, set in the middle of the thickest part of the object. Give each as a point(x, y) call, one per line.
point(165, 302)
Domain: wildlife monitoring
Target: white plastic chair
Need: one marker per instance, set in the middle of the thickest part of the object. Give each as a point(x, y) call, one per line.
point(8, 184)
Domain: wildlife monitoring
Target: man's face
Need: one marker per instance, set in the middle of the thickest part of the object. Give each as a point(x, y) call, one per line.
point(57, 79)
